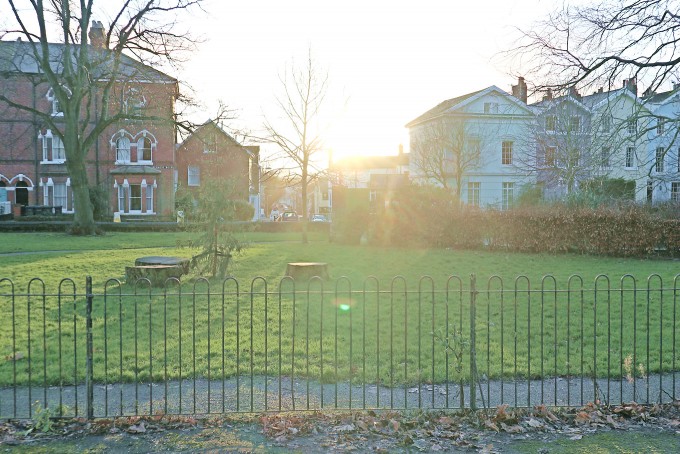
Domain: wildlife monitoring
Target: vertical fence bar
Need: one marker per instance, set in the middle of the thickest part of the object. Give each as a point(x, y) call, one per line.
point(89, 364)
point(473, 365)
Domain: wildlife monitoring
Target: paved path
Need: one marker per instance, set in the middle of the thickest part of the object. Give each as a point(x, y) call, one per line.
point(261, 394)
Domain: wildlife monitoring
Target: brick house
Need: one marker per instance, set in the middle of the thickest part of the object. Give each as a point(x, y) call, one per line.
point(132, 161)
point(209, 153)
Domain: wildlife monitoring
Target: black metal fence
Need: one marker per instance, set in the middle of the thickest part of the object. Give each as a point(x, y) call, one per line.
point(206, 347)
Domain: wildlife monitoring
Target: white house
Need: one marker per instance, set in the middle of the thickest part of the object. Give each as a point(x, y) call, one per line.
point(492, 127)
point(662, 172)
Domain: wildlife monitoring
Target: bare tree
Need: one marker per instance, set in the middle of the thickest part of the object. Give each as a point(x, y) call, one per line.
point(559, 151)
point(85, 79)
point(601, 45)
point(297, 134)
point(444, 151)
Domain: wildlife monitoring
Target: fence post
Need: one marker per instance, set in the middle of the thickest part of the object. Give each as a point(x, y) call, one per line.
point(88, 366)
point(473, 341)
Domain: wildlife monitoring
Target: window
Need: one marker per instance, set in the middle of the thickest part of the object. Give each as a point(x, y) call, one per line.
point(149, 199)
point(630, 157)
point(490, 107)
point(59, 195)
point(604, 157)
point(575, 123)
point(324, 195)
point(675, 191)
point(660, 126)
point(209, 145)
point(632, 126)
point(56, 107)
point(122, 197)
point(659, 159)
point(135, 197)
point(194, 176)
point(123, 149)
point(606, 123)
point(550, 123)
point(144, 149)
point(508, 195)
point(506, 152)
point(135, 103)
point(52, 148)
point(550, 153)
point(473, 193)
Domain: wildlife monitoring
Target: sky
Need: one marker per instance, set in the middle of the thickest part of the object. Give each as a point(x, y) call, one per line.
point(387, 61)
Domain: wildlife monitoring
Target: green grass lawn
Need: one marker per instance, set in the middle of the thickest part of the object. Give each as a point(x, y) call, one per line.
point(341, 333)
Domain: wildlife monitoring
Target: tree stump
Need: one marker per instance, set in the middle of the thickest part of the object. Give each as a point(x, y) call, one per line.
point(161, 260)
point(303, 271)
point(156, 274)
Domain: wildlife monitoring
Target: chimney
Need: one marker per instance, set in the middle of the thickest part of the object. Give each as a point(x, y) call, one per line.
point(600, 90)
point(676, 85)
point(574, 93)
point(648, 92)
point(631, 84)
point(519, 91)
point(548, 96)
point(97, 35)
point(401, 150)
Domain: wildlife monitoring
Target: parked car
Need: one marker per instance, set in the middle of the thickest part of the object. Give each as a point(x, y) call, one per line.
point(319, 218)
point(288, 216)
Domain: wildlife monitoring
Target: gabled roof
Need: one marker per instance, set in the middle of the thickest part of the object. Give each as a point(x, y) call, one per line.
point(547, 104)
point(210, 124)
point(454, 104)
point(18, 57)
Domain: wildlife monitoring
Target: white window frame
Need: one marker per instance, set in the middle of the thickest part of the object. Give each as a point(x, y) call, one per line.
point(660, 126)
point(630, 158)
point(508, 195)
point(659, 160)
point(490, 107)
point(606, 122)
point(141, 148)
point(675, 191)
point(193, 176)
point(122, 152)
point(474, 193)
point(55, 107)
point(551, 123)
point(60, 198)
point(52, 146)
point(137, 198)
point(632, 126)
point(605, 154)
point(507, 152)
point(575, 124)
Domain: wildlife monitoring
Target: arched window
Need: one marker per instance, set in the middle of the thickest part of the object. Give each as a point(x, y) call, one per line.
point(144, 149)
point(122, 150)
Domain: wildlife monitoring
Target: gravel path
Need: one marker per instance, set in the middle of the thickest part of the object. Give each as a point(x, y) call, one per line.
point(201, 396)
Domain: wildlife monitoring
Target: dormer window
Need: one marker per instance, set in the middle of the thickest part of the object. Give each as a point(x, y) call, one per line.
point(134, 103)
point(56, 107)
point(52, 148)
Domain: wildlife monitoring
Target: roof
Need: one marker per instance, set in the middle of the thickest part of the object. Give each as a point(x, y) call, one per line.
point(660, 98)
point(18, 57)
point(250, 150)
point(442, 107)
point(459, 102)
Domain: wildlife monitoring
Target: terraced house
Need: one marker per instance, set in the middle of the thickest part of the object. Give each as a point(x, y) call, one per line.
point(132, 162)
point(489, 146)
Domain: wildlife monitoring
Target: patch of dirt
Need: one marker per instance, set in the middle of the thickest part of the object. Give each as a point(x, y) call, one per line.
point(499, 430)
